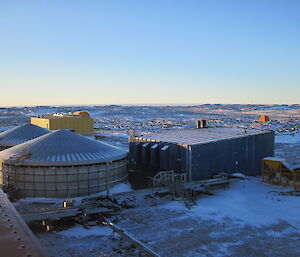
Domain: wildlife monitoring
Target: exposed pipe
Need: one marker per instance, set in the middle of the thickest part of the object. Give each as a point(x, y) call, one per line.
point(123, 233)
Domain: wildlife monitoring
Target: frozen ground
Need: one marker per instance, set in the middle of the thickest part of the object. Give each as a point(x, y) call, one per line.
point(135, 119)
point(247, 219)
point(80, 231)
point(288, 139)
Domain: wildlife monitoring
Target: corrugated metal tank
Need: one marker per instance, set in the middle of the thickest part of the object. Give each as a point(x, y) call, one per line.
point(62, 164)
point(20, 134)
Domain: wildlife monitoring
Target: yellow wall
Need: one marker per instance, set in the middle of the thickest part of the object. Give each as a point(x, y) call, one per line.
point(41, 122)
point(81, 125)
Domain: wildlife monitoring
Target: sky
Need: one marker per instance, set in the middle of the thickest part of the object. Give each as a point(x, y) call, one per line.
point(63, 52)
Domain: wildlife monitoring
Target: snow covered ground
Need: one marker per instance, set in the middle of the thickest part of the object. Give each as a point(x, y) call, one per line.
point(248, 219)
point(79, 231)
point(251, 202)
point(133, 119)
point(288, 139)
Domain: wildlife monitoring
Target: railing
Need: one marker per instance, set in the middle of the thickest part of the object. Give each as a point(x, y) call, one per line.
point(124, 234)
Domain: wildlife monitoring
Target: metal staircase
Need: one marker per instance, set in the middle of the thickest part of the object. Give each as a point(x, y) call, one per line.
point(189, 191)
point(175, 182)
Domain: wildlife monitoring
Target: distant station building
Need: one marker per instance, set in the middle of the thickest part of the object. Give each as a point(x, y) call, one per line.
point(78, 122)
point(20, 134)
point(62, 164)
point(201, 153)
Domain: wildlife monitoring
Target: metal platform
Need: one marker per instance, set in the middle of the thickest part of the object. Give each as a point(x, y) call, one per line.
point(16, 239)
point(87, 207)
point(189, 191)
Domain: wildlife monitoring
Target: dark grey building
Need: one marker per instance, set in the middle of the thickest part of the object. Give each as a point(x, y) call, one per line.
point(201, 153)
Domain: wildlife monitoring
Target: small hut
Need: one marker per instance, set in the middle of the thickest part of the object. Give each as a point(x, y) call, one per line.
point(264, 118)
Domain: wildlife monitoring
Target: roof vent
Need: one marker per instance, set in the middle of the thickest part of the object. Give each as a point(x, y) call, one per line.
point(201, 124)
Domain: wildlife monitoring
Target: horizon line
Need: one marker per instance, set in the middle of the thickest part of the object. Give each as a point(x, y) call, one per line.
point(144, 104)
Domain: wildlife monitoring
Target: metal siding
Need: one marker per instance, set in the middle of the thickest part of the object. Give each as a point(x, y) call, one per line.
point(61, 148)
point(132, 155)
point(173, 157)
point(184, 160)
point(138, 147)
point(168, 157)
point(154, 156)
point(164, 157)
point(146, 153)
point(203, 160)
point(235, 155)
point(264, 147)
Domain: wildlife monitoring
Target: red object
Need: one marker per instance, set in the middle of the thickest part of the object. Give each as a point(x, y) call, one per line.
point(264, 118)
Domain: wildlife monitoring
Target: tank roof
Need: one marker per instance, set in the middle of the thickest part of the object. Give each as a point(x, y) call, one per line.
point(197, 136)
point(21, 134)
point(61, 148)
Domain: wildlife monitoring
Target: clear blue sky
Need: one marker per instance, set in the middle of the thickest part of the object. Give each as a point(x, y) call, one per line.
point(149, 52)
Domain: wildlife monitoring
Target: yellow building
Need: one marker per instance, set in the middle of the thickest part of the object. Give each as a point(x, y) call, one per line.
point(79, 122)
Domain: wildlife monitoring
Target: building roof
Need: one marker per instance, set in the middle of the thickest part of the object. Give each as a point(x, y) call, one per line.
point(61, 148)
point(78, 114)
point(21, 134)
point(197, 136)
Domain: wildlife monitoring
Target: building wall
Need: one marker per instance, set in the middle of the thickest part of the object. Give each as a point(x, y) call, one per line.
point(41, 122)
point(151, 156)
point(241, 154)
point(80, 125)
point(65, 181)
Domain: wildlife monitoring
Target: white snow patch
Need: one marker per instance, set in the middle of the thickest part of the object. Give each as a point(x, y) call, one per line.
point(249, 202)
point(240, 175)
point(80, 231)
point(288, 139)
point(116, 135)
point(278, 107)
point(120, 188)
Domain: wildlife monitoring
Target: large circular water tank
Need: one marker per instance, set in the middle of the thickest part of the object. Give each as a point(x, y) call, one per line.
point(62, 164)
point(20, 134)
